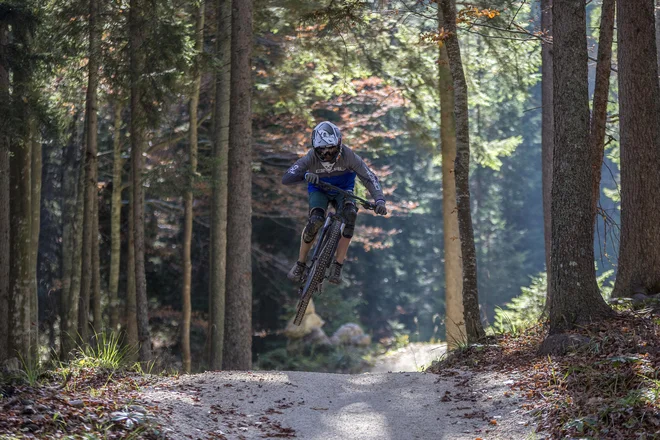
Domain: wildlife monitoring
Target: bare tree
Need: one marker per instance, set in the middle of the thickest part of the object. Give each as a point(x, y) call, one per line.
point(189, 197)
point(454, 322)
point(219, 202)
point(137, 27)
point(639, 108)
point(575, 296)
point(238, 322)
point(35, 226)
point(473, 326)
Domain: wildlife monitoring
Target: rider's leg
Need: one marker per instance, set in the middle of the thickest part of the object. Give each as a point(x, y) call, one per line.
point(350, 214)
point(317, 204)
point(304, 248)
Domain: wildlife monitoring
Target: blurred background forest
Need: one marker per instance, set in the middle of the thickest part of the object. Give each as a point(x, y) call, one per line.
point(369, 67)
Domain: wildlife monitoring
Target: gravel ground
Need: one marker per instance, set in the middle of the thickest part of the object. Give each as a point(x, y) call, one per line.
point(457, 405)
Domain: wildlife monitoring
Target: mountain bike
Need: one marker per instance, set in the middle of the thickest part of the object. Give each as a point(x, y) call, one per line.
point(325, 247)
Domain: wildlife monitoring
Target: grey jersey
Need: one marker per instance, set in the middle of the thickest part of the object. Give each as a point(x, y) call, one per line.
point(346, 167)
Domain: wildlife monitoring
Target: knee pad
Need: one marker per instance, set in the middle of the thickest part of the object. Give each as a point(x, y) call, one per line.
point(350, 215)
point(315, 222)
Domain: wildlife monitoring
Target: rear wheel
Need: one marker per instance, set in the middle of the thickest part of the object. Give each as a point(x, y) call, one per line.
point(317, 271)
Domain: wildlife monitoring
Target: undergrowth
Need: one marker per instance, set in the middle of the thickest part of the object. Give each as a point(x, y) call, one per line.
point(609, 388)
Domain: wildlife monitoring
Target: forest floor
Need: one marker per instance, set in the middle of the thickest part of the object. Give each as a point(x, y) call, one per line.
point(606, 388)
point(415, 356)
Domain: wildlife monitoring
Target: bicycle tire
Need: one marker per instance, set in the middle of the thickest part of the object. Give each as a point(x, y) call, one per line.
point(317, 272)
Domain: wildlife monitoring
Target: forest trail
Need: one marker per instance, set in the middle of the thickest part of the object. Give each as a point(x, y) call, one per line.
point(412, 357)
point(457, 405)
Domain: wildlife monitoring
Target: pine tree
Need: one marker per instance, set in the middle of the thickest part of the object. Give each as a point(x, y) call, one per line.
point(639, 108)
point(5, 245)
point(454, 322)
point(473, 326)
point(547, 132)
point(238, 322)
point(575, 296)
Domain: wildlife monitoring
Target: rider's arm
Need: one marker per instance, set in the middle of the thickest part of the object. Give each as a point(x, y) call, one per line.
point(368, 178)
point(297, 171)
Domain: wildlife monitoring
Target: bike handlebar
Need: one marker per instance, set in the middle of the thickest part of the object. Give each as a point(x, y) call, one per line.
point(327, 187)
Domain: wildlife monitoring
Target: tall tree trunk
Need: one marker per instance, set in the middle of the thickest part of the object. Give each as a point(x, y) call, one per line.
point(639, 109)
point(454, 322)
point(5, 245)
point(21, 206)
point(137, 26)
point(132, 339)
point(76, 277)
point(474, 328)
point(238, 322)
point(219, 203)
point(35, 197)
point(601, 93)
point(547, 135)
point(575, 295)
point(90, 225)
point(189, 197)
point(71, 172)
point(97, 321)
point(115, 220)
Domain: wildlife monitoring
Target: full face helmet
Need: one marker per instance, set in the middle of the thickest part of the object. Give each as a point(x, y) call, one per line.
point(326, 141)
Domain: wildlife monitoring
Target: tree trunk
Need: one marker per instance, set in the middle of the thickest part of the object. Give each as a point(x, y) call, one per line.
point(473, 326)
point(601, 93)
point(639, 108)
point(454, 322)
point(35, 225)
point(115, 220)
point(90, 226)
point(21, 285)
point(575, 295)
point(547, 135)
point(238, 322)
point(5, 245)
point(137, 25)
point(131, 299)
point(219, 203)
point(97, 321)
point(189, 197)
point(71, 172)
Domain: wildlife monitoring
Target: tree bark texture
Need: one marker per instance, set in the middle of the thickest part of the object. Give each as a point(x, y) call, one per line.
point(575, 295)
point(238, 322)
point(90, 224)
point(137, 26)
point(21, 285)
point(71, 172)
point(35, 226)
point(5, 245)
point(454, 322)
point(189, 196)
point(601, 93)
point(219, 202)
point(639, 108)
point(473, 326)
point(132, 339)
point(547, 135)
point(115, 220)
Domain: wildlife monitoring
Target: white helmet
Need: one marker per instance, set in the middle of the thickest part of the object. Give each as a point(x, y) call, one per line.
point(326, 141)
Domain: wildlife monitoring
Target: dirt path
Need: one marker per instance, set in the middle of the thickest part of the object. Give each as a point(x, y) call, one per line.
point(412, 357)
point(319, 406)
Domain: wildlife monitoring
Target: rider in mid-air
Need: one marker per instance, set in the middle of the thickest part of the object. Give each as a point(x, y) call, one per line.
point(332, 162)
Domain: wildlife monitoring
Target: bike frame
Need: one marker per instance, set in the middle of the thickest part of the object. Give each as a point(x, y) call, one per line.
point(333, 216)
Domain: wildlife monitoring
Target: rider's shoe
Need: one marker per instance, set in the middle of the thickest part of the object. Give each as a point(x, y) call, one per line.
point(335, 273)
point(296, 272)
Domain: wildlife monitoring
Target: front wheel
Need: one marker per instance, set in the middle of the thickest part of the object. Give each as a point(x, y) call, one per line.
point(317, 271)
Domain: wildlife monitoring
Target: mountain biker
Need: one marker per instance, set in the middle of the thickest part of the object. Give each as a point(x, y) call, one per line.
point(332, 162)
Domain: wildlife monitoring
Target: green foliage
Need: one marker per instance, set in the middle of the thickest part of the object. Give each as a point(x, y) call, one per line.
point(329, 359)
point(525, 310)
point(106, 351)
